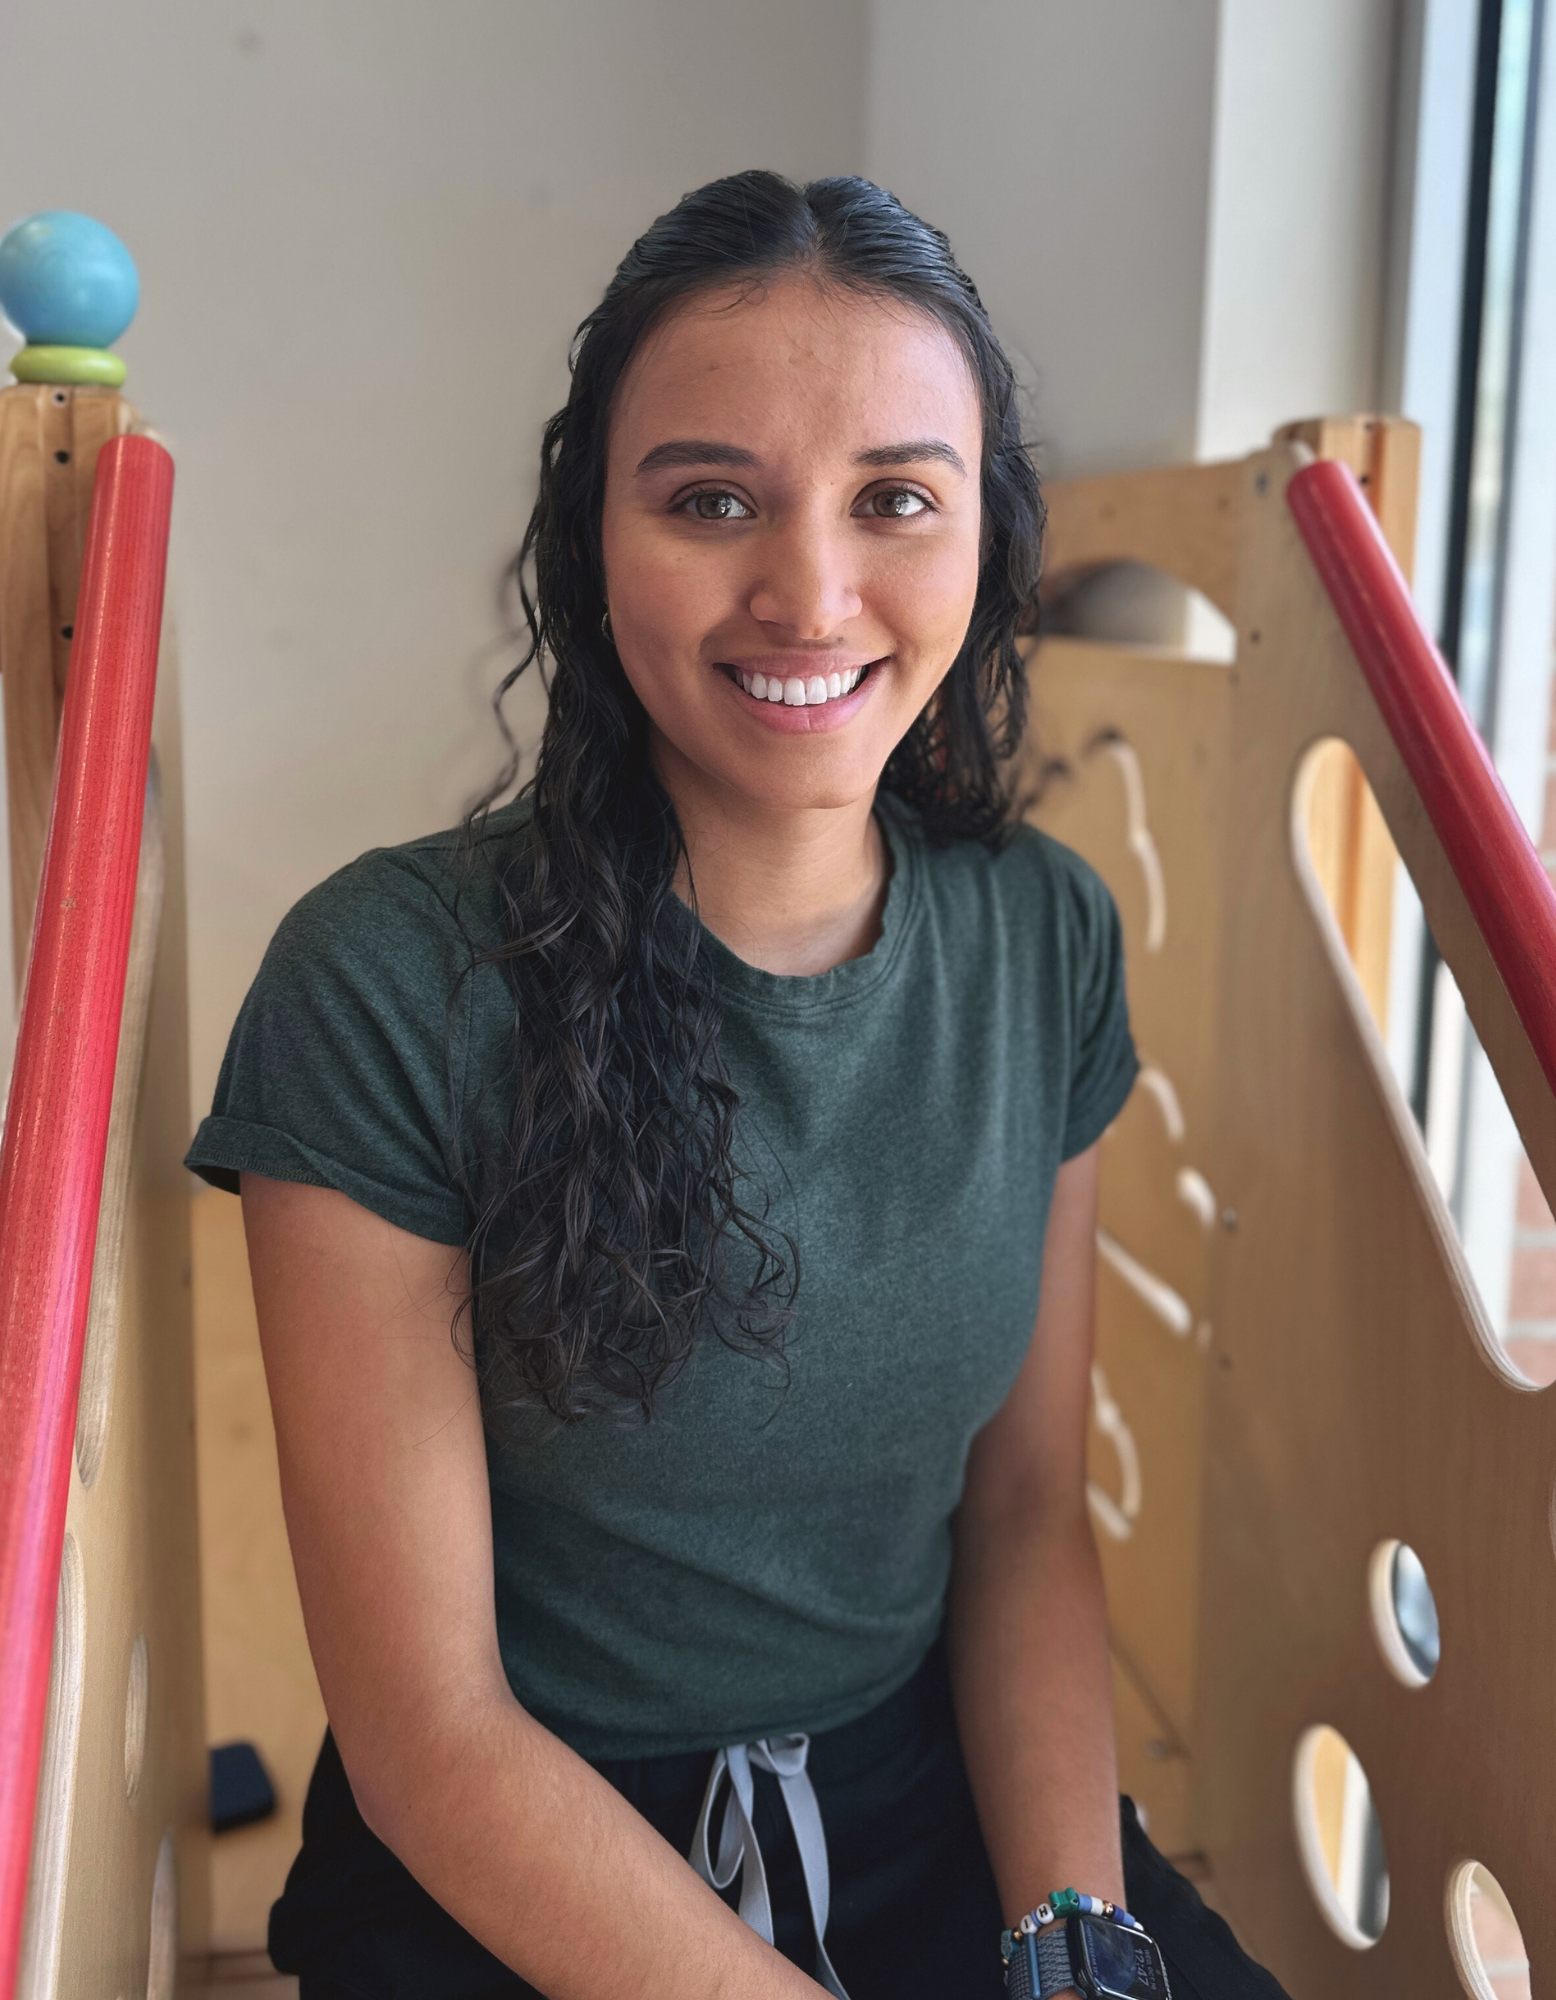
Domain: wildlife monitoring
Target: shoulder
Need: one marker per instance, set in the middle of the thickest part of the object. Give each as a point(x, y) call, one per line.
point(400, 910)
point(1036, 866)
point(1032, 881)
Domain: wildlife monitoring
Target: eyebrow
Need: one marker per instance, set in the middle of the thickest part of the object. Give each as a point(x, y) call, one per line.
point(695, 451)
point(706, 451)
point(911, 453)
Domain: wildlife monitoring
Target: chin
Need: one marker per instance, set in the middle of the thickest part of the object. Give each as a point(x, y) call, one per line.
point(812, 790)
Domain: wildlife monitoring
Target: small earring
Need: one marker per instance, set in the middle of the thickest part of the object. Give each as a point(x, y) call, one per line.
point(605, 627)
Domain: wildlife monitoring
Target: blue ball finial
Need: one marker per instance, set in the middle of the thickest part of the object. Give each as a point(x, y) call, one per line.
point(66, 281)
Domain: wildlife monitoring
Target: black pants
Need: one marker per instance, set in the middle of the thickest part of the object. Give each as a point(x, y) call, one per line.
point(914, 1910)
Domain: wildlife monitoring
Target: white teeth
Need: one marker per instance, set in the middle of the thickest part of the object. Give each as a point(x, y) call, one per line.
point(798, 693)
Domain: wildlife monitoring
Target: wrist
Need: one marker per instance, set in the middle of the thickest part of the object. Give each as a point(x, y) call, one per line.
point(1078, 1943)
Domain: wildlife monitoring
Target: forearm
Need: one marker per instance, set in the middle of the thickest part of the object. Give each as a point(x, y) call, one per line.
point(534, 1853)
point(1032, 1680)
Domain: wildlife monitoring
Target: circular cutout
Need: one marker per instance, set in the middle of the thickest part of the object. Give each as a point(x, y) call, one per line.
point(1339, 1838)
point(44, 1938)
point(1404, 1614)
point(136, 1700)
point(162, 1962)
point(1488, 1947)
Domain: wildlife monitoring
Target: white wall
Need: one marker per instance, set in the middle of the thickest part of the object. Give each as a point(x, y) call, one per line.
point(365, 231)
point(1067, 150)
point(1176, 209)
point(1297, 269)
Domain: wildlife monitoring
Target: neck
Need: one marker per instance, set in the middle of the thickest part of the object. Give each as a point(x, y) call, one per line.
point(790, 891)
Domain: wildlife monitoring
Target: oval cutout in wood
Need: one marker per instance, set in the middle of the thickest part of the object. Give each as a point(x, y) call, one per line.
point(43, 1926)
point(162, 1961)
point(1404, 1614)
point(1483, 1934)
point(1469, 1161)
point(136, 1708)
point(1339, 1838)
point(105, 1310)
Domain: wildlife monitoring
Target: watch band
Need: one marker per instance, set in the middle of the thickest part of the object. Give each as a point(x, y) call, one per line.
point(1040, 1965)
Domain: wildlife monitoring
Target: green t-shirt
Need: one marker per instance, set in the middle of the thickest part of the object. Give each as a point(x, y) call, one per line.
point(755, 1557)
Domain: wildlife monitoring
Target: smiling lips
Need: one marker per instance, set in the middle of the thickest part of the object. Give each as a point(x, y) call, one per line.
point(794, 692)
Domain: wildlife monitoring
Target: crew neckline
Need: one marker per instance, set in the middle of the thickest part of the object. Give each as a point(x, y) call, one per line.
point(794, 995)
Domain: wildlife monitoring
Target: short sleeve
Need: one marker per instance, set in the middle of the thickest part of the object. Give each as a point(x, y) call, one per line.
point(1104, 1064)
point(339, 1071)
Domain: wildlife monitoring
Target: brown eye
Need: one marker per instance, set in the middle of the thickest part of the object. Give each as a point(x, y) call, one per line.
point(898, 503)
point(718, 507)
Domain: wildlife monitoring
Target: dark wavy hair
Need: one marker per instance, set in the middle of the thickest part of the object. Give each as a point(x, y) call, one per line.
point(608, 1206)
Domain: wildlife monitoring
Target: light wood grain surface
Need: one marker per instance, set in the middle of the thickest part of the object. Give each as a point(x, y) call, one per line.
point(1357, 1392)
point(260, 1683)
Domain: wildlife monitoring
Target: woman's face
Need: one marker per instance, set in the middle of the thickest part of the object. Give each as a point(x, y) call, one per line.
point(791, 536)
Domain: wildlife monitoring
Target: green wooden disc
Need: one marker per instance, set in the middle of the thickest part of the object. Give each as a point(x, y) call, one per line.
point(68, 364)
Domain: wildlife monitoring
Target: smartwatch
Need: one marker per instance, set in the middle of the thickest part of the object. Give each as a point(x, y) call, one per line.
point(1093, 1955)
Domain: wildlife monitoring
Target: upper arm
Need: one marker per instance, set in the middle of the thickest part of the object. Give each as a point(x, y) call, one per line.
point(1033, 1450)
point(383, 1465)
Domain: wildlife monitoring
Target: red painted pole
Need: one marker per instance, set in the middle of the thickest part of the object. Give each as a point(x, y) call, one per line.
point(56, 1126)
point(1505, 884)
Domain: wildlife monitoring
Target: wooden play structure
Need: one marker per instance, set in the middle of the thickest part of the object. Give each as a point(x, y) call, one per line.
point(103, 1740)
point(1294, 1373)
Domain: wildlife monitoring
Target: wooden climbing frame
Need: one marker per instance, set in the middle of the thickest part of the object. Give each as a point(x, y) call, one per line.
point(1295, 1370)
point(103, 1862)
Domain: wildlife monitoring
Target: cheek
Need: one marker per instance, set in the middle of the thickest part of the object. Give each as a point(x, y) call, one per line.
point(657, 586)
point(926, 593)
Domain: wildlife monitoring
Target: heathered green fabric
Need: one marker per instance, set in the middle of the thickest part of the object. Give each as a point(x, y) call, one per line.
point(754, 1558)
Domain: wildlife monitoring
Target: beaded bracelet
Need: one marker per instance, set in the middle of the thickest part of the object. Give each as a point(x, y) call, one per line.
point(1064, 1903)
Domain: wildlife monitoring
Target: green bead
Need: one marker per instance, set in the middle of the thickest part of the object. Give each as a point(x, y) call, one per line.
point(1064, 1902)
point(68, 364)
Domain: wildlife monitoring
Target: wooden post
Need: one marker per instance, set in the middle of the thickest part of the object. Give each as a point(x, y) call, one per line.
point(50, 435)
point(1352, 852)
point(118, 1883)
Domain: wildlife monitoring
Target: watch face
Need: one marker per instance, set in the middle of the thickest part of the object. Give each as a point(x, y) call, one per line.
point(1124, 1964)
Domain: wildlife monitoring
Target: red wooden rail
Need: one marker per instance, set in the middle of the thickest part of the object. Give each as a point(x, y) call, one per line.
point(56, 1127)
point(1509, 893)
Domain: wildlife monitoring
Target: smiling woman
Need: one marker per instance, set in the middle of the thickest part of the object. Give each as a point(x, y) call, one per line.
point(733, 1095)
point(859, 558)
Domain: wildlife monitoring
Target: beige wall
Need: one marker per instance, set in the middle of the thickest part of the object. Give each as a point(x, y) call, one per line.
point(1067, 150)
point(1296, 271)
point(1176, 208)
point(365, 230)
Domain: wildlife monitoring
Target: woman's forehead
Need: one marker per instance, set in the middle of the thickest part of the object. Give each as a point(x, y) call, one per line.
point(797, 357)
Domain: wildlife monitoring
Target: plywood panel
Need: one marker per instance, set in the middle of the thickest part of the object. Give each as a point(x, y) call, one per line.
point(137, 1862)
point(1153, 1766)
point(1175, 518)
point(1353, 854)
point(49, 440)
point(1356, 1393)
point(260, 1683)
point(1134, 745)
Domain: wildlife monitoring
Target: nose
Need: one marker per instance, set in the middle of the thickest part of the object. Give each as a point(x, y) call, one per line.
point(805, 584)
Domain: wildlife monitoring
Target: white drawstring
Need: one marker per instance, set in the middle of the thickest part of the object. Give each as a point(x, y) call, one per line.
point(739, 1854)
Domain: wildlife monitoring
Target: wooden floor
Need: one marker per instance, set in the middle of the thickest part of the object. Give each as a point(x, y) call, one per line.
point(237, 1976)
point(259, 1684)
